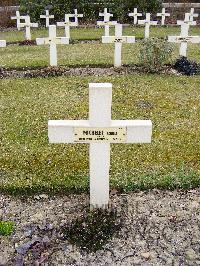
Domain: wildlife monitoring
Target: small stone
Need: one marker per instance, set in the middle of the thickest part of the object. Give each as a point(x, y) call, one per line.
point(146, 255)
point(194, 205)
point(190, 254)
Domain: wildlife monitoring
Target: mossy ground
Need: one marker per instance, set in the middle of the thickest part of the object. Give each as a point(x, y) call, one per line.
point(6, 228)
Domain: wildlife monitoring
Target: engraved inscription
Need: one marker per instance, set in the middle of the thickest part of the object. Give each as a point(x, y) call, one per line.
point(100, 134)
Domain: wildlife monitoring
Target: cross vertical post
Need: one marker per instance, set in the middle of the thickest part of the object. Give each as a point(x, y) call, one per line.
point(27, 24)
point(147, 22)
point(106, 21)
point(193, 15)
point(163, 15)
point(18, 17)
point(47, 17)
point(67, 23)
point(100, 98)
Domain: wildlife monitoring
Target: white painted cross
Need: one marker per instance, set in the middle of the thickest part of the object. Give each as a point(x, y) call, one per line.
point(106, 21)
point(52, 41)
point(2, 43)
point(76, 16)
point(163, 15)
point(99, 131)
point(118, 39)
point(47, 17)
point(18, 17)
point(192, 14)
point(28, 25)
point(67, 24)
point(183, 39)
point(187, 20)
point(147, 22)
point(135, 15)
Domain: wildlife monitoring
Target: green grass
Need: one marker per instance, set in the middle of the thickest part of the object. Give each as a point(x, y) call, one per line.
point(6, 228)
point(96, 33)
point(78, 55)
point(29, 164)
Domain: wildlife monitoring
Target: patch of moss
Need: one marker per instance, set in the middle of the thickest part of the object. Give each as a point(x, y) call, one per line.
point(6, 228)
point(91, 231)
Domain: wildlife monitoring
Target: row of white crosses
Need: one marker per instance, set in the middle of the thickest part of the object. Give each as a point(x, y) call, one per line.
point(184, 37)
point(99, 131)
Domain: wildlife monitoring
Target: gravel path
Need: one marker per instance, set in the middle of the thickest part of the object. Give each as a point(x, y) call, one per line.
point(158, 228)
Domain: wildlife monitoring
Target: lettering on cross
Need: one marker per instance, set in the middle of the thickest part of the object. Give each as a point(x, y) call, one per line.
point(67, 24)
point(118, 39)
point(183, 39)
point(28, 25)
point(163, 15)
point(106, 21)
point(147, 22)
point(18, 17)
point(135, 15)
point(47, 17)
point(52, 41)
point(99, 131)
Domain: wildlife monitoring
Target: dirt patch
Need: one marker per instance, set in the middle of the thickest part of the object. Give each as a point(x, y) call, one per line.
point(78, 71)
point(159, 228)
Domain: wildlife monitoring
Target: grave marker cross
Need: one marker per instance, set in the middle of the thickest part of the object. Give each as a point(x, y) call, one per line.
point(192, 14)
point(183, 39)
point(135, 15)
point(163, 15)
point(76, 16)
point(47, 17)
point(99, 131)
point(67, 24)
point(52, 41)
point(18, 17)
point(118, 39)
point(187, 20)
point(106, 21)
point(28, 25)
point(147, 22)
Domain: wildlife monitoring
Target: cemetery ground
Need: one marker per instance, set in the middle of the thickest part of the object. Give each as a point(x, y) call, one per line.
point(44, 188)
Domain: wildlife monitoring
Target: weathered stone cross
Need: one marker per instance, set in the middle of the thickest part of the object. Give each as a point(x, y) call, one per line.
point(192, 14)
point(47, 17)
point(18, 17)
point(147, 23)
point(99, 131)
point(27, 24)
point(52, 41)
point(118, 39)
point(106, 21)
point(67, 24)
point(163, 15)
point(183, 39)
point(2, 43)
point(135, 15)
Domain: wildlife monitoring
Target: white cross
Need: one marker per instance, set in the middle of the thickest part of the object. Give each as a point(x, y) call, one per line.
point(18, 17)
point(187, 20)
point(99, 131)
point(135, 14)
point(67, 24)
point(192, 14)
point(106, 21)
point(2, 43)
point(183, 39)
point(52, 41)
point(163, 15)
point(147, 23)
point(47, 17)
point(118, 39)
point(76, 16)
point(28, 26)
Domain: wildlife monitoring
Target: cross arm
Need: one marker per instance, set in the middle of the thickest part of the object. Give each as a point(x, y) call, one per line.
point(121, 39)
point(179, 39)
point(57, 40)
point(133, 131)
point(104, 23)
